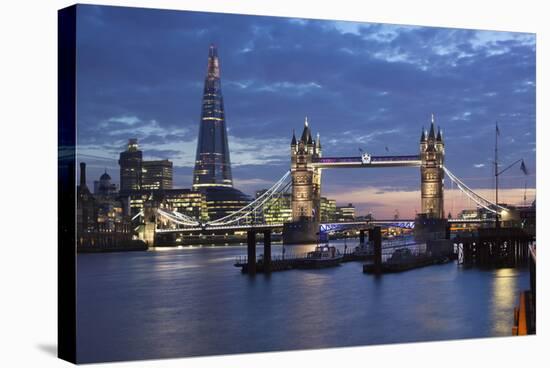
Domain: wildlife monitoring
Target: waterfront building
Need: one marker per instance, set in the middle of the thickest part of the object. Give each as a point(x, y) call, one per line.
point(136, 201)
point(101, 219)
point(189, 202)
point(156, 175)
point(345, 213)
point(328, 209)
point(110, 213)
point(130, 162)
point(476, 214)
point(212, 173)
point(277, 210)
point(469, 214)
point(223, 201)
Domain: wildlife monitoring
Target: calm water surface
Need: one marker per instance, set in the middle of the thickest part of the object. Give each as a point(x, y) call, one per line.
point(192, 301)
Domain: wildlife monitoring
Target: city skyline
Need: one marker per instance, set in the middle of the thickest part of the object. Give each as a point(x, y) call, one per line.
point(380, 84)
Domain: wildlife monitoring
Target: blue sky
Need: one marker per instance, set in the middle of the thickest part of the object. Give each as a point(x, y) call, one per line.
point(362, 85)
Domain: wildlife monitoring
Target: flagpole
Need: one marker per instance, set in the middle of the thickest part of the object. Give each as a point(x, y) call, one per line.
point(497, 173)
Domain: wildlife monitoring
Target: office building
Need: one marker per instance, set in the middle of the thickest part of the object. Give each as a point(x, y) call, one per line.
point(328, 209)
point(278, 210)
point(130, 162)
point(156, 175)
point(345, 213)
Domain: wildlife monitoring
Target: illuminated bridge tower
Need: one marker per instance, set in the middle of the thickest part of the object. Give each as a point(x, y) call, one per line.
point(432, 155)
point(306, 189)
point(212, 163)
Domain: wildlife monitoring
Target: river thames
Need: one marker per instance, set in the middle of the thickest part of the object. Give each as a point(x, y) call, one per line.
point(176, 302)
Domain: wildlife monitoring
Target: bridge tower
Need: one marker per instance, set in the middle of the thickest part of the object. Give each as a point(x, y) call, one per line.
point(306, 180)
point(306, 189)
point(432, 155)
point(148, 228)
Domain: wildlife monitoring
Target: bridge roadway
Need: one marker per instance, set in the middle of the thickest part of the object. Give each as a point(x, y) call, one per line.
point(335, 226)
point(261, 227)
point(373, 161)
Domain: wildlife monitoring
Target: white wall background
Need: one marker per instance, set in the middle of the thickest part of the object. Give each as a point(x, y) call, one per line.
point(28, 113)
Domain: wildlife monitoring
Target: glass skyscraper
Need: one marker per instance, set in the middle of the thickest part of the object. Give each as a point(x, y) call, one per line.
point(212, 174)
point(212, 163)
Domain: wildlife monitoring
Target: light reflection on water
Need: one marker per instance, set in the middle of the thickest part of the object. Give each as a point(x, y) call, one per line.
point(504, 281)
point(180, 302)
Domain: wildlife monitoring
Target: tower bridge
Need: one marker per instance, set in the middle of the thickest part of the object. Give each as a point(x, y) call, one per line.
point(303, 181)
point(307, 164)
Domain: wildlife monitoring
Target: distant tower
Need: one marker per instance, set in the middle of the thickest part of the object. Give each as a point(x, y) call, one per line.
point(212, 163)
point(306, 181)
point(432, 154)
point(130, 162)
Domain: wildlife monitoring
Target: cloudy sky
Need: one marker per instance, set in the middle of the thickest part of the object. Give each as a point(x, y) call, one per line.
point(140, 73)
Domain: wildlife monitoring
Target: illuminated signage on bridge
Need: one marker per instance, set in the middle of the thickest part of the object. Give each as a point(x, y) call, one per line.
point(373, 161)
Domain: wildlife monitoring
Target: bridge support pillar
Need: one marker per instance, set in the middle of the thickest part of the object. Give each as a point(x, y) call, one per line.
point(377, 241)
point(370, 235)
point(361, 236)
point(303, 231)
point(251, 261)
point(267, 251)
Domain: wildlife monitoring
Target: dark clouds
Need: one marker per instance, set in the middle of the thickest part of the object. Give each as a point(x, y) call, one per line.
point(140, 74)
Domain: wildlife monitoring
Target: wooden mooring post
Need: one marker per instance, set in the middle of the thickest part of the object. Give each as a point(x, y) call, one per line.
point(377, 240)
point(251, 243)
point(267, 251)
point(361, 236)
point(252, 265)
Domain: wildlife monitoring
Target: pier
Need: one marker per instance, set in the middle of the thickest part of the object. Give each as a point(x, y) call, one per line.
point(373, 253)
point(266, 263)
point(494, 247)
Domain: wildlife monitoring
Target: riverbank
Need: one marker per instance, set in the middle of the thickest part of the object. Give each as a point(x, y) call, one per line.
point(122, 246)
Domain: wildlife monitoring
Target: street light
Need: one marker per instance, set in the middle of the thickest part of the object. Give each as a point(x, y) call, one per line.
point(498, 173)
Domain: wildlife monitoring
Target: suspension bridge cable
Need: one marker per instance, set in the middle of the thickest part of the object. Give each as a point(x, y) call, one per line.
point(252, 205)
point(483, 202)
point(280, 186)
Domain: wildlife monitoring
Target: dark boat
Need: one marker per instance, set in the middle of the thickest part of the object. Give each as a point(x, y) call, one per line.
point(403, 259)
point(322, 256)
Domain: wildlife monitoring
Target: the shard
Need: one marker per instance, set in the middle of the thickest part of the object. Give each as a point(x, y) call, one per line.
point(212, 163)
